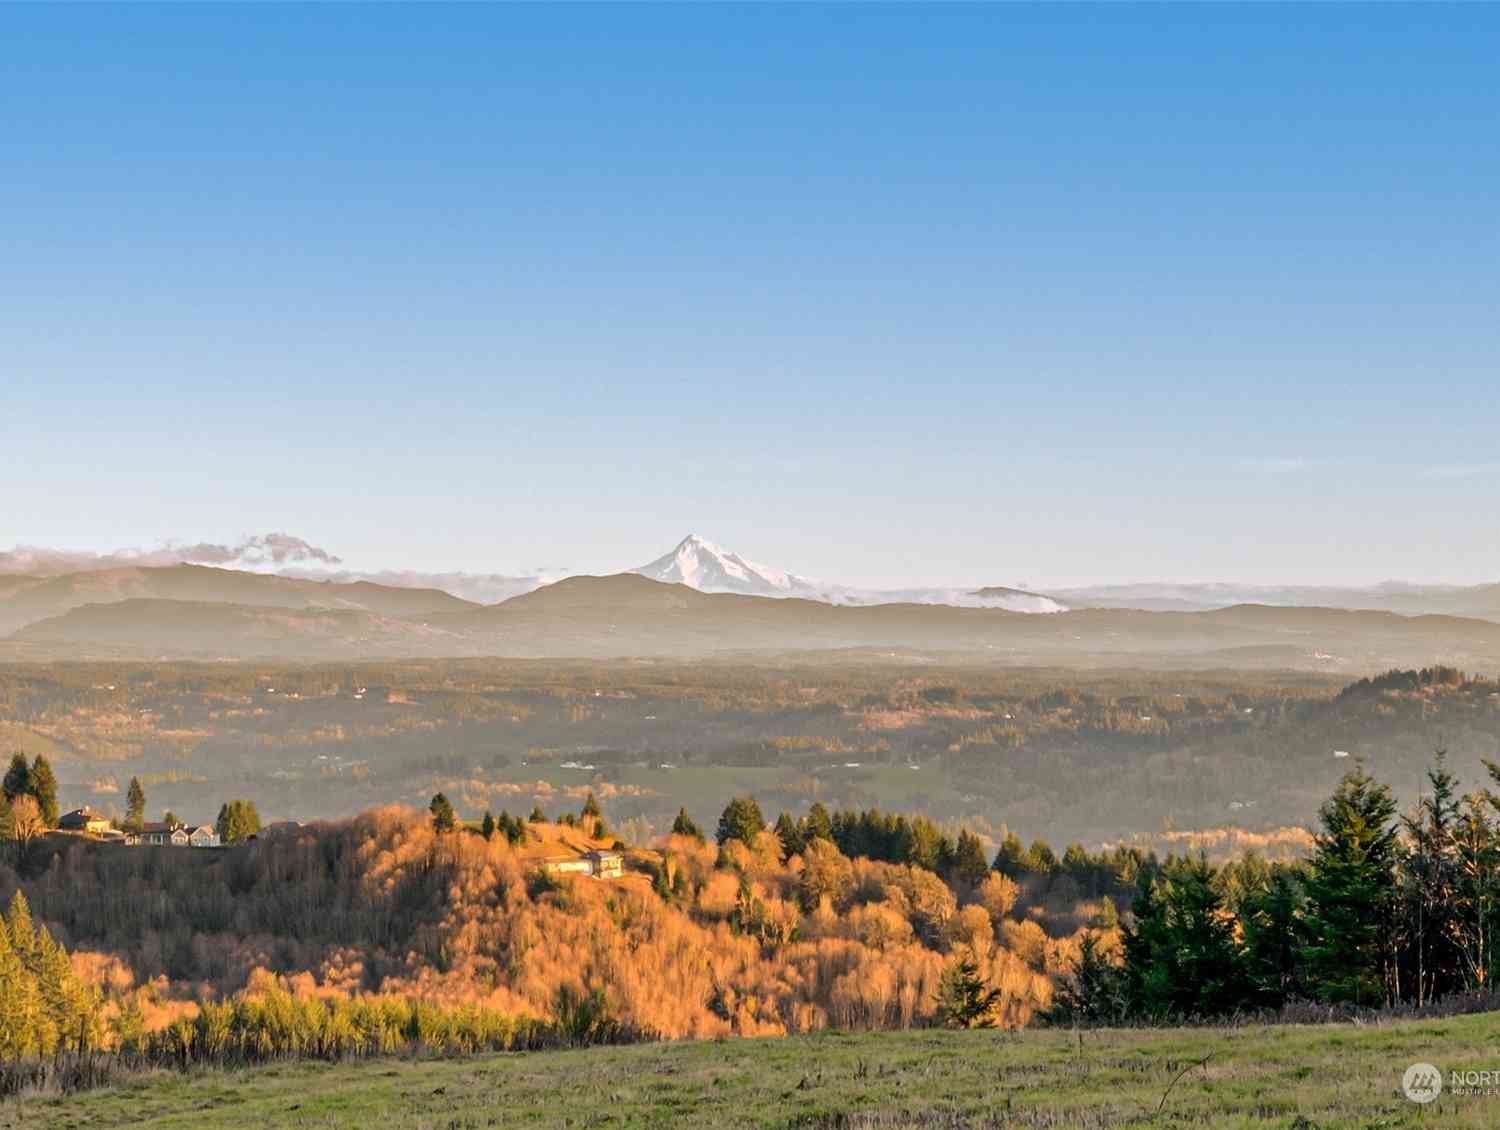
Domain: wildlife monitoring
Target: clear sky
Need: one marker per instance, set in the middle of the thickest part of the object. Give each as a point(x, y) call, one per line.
point(879, 294)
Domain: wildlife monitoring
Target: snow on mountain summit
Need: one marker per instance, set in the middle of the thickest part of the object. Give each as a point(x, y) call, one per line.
point(702, 565)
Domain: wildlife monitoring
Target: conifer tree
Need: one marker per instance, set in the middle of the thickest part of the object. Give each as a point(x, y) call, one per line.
point(1271, 921)
point(1351, 895)
point(135, 806)
point(684, 825)
point(741, 820)
point(1181, 957)
point(238, 821)
point(443, 818)
point(1010, 860)
point(817, 825)
point(790, 835)
point(1093, 993)
point(969, 866)
point(592, 819)
point(20, 1005)
point(487, 826)
point(17, 777)
point(923, 845)
point(964, 1000)
point(43, 785)
point(1476, 893)
point(1429, 881)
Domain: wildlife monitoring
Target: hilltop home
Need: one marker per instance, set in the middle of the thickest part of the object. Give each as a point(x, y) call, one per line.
point(606, 864)
point(173, 835)
point(85, 820)
point(599, 864)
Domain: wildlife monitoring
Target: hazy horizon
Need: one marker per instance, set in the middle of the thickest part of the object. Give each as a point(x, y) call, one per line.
point(290, 555)
point(976, 295)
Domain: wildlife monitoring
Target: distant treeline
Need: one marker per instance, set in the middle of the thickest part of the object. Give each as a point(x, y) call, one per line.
point(1408, 681)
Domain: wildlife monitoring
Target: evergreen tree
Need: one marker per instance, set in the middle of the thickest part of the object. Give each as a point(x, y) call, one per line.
point(1011, 859)
point(790, 835)
point(18, 922)
point(20, 1002)
point(170, 819)
point(817, 825)
point(1041, 858)
point(43, 785)
point(1429, 882)
point(1093, 993)
point(537, 815)
point(487, 825)
point(684, 825)
point(963, 998)
point(135, 806)
point(1476, 893)
point(1271, 922)
point(741, 820)
point(924, 846)
point(17, 777)
point(44, 1006)
point(1351, 895)
point(238, 820)
point(443, 818)
point(969, 866)
point(1181, 957)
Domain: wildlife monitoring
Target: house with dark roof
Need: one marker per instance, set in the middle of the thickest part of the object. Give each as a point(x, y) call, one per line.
point(85, 820)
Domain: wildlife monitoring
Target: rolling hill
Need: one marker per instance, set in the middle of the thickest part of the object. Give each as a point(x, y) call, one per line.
point(629, 615)
point(27, 603)
point(204, 630)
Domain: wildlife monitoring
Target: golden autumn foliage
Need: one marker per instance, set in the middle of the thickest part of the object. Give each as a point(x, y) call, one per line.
point(693, 941)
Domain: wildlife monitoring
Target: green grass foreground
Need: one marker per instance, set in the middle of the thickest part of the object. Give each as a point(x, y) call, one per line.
point(1303, 1077)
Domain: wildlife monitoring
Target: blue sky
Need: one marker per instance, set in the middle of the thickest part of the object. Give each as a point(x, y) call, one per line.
point(879, 294)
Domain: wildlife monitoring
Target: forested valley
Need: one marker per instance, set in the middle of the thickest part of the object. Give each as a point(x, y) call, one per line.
point(1094, 756)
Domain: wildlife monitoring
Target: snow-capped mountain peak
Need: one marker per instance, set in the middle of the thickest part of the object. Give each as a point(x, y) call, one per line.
point(702, 565)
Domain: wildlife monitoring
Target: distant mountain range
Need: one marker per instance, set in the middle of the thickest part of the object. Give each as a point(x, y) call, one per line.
point(700, 564)
point(700, 600)
point(1481, 601)
point(628, 615)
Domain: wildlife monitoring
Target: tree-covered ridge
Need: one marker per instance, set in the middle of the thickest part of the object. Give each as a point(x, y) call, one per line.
point(403, 928)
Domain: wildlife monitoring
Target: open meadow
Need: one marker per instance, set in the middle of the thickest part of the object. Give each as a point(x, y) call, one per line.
point(1323, 1076)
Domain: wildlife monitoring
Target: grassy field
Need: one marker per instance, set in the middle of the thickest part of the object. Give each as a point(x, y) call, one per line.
point(1302, 1077)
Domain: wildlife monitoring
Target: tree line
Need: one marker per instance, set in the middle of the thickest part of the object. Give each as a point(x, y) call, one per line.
point(1390, 909)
